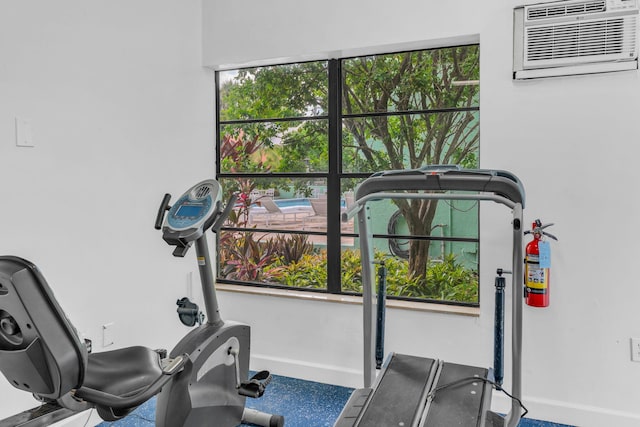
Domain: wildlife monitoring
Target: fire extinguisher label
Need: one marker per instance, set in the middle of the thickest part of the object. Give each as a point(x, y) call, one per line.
point(536, 278)
point(544, 249)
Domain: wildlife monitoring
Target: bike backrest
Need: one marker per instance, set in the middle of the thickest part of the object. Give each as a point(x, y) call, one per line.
point(40, 350)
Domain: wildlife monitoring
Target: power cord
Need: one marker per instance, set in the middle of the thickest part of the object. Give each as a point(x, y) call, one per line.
point(89, 417)
point(140, 417)
point(497, 386)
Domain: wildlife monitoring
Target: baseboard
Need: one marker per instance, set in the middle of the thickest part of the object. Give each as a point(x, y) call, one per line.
point(568, 413)
point(539, 408)
point(328, 374)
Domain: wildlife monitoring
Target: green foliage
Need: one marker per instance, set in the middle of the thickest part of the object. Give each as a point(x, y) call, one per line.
point(446, 281)
point(275, 92)
point(310, 271)
point(400, 281)
point(449, 281)
point(292, 248)
point(238, 153)
point(426, 100)
point(304, 148)
point(278, 92)
point(404, 82)
point(398, 276)
point(245, 258)
point(292, 262)
point(351, 269)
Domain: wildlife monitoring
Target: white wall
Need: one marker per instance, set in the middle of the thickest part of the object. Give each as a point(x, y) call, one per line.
point(121, 111)
point(573, 143)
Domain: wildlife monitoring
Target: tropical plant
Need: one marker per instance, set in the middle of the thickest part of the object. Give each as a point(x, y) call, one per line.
point(238, 154)
point(291, 248)
point(310, 271)
point(446, 281)
point(244, 257)
point(450, 281)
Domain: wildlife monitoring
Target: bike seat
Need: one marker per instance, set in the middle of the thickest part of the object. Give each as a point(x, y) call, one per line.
point(41, 352)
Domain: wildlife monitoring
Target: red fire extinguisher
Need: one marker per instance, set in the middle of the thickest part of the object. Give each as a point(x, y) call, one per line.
point(537, 265)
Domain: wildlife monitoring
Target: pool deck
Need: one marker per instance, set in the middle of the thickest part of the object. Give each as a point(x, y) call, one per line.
point(287, 214)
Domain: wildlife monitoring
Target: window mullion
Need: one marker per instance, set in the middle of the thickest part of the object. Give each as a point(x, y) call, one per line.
point(218, 160)
point(333, 180)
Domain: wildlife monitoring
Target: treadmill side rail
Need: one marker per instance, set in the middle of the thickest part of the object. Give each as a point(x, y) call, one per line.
point(399, 397)
point(352, 410)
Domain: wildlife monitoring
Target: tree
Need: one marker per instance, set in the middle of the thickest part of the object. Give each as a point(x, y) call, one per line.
point(272, 94)
point(424, 81)
point(401, 111)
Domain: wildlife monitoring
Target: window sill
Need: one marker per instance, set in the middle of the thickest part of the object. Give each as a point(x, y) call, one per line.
point(349, 299)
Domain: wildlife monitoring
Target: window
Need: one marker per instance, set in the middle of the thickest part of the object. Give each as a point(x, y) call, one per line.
point(294, 141)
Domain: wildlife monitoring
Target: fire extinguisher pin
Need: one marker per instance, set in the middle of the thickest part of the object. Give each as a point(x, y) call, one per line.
point(539, 229)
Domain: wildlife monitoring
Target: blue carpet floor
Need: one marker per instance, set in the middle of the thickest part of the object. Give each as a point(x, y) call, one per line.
point(303, 404)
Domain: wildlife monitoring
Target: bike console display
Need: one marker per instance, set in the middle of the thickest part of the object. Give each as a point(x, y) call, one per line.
point(194, 212)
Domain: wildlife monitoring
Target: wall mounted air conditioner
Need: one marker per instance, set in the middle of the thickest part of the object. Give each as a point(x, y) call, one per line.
point(575, 37)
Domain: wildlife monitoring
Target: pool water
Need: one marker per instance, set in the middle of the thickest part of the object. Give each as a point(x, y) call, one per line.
point(300, 202)
point(283, 203)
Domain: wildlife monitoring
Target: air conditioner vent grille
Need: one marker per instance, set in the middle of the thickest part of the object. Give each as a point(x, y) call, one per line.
point(580, 39)
point(556, 11)
point(575, 37)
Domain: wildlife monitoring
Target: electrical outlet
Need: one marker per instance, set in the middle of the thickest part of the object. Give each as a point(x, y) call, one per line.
point(635, 349)
point(190, 285)
point(24, 137)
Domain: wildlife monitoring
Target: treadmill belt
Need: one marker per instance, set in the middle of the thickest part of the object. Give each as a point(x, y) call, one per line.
point(458, 405)
point(396, 400)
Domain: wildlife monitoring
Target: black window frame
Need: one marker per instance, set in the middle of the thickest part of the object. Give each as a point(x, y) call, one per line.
point(333, 176)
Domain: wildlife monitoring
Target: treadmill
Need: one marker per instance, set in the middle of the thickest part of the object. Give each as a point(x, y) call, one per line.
point(412, 391)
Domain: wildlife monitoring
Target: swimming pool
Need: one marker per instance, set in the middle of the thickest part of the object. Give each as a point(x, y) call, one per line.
point(285, 203)
point(293, 203)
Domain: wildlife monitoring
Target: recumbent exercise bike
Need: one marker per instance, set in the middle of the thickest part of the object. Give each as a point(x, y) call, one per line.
point(202, 382)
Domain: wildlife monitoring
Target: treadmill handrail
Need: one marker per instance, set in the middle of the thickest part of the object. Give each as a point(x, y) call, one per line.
point(495, 185)
point(360, 203)
point(445, 178)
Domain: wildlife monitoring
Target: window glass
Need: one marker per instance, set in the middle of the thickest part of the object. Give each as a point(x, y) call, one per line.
point(277, 203)
point(272, 92)
point(285, 146)
point(295, 159)
point(375, 143)
point(286, 259)
point(411, 81)
point(451, 273)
